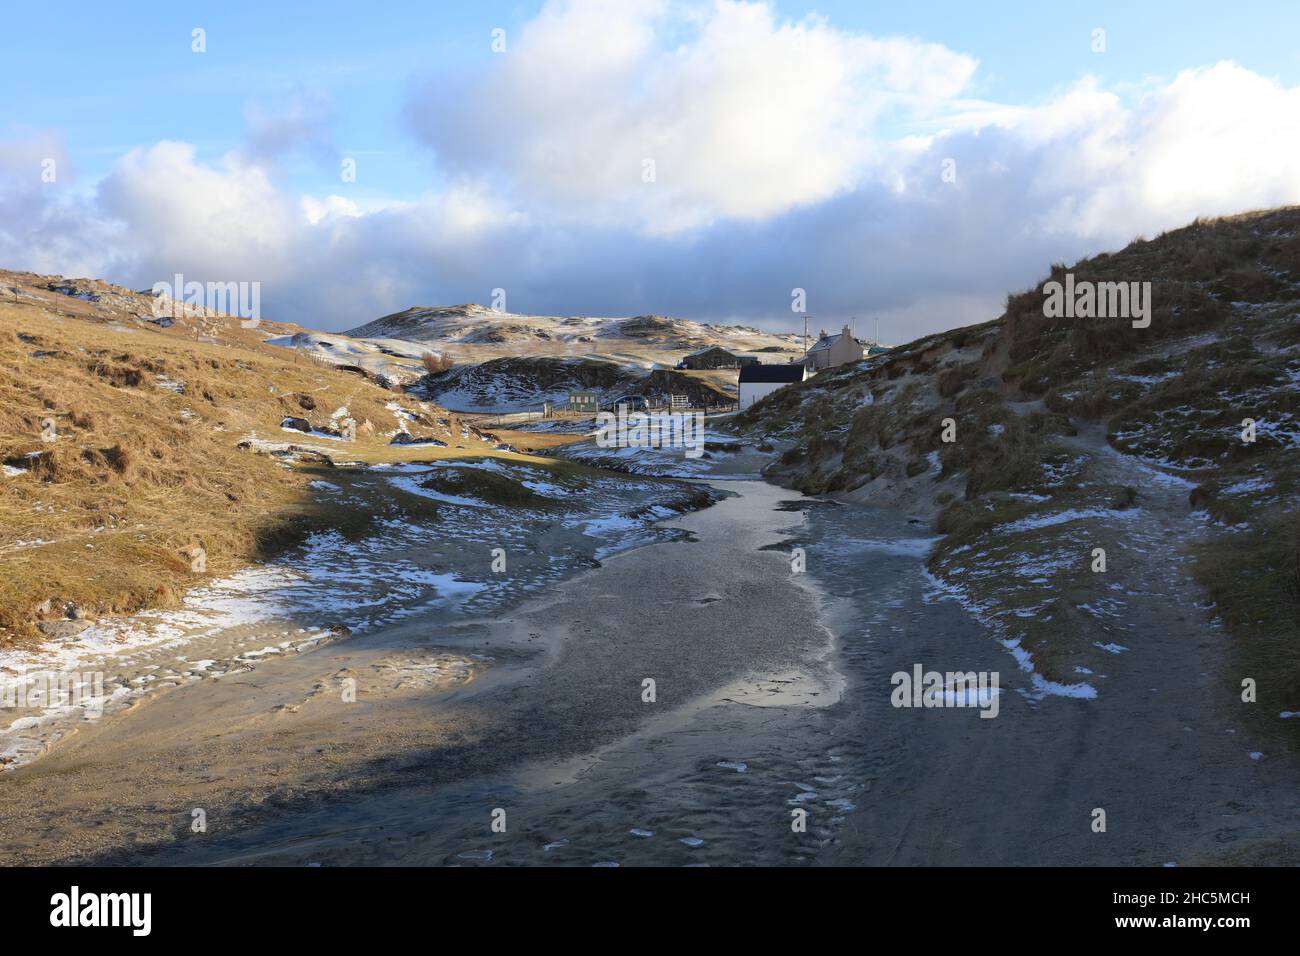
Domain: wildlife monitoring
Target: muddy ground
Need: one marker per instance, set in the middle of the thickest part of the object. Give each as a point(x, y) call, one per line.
point(771, 694)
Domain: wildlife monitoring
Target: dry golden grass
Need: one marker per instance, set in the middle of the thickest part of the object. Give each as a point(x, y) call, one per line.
point(436, 364)
point(535, 441)
point(105, 515)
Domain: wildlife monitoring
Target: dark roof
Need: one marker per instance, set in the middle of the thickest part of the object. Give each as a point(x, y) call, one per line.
point(771, 373)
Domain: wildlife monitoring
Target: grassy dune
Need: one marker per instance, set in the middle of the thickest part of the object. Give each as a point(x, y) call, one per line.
point(1136, 431)
point(126, 446)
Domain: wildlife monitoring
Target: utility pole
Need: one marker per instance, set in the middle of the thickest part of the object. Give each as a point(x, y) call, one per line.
point(805, 335)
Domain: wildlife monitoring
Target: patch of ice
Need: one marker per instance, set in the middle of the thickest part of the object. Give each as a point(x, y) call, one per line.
point(1042, 686)
point(1029, 496)
point(903, 547)
point(546, 488)
point(1247, 486)
point(412, 486)
point(312, 434)
point(1147, 379)
point(1062, 517)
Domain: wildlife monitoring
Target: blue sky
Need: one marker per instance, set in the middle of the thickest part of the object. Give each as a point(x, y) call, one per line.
point(117, 76)
point(443, 129)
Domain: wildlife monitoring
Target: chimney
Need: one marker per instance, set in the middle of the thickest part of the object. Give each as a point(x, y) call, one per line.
point(821, 334)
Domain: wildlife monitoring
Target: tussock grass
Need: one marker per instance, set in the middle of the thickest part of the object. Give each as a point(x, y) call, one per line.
point(145, 463)
point(1225, 298)
point(1254, 581)
point(496, 489)
point(436, 364)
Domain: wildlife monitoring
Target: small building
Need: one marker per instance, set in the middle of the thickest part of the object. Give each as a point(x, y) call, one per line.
point(757, 381)
point(832, 350)
point(712, 357)
point(585, 403)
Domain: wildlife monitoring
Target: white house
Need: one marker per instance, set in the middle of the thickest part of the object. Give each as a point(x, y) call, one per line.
point(833, 350)
point(757, 381)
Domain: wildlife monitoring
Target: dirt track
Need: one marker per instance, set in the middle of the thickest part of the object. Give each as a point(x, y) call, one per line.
point(757, 713)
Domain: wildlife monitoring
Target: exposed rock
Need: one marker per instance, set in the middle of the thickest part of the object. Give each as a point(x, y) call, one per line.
point(62, 630)
point(405, 438)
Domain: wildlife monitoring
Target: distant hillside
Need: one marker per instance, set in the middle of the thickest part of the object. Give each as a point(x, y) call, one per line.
point(385, 361)
point(474, 325)
point(126, 443)
point(519, 384)
point(505, 362)
point(1073, 434)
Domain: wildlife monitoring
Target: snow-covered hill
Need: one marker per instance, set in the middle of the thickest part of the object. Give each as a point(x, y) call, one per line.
point(651, 338)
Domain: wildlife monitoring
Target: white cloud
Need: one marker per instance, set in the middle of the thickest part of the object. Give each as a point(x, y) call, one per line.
point(1216, 140)
point(743, 116)
point(299, 121)
point(317, 210)
point(227, 220)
